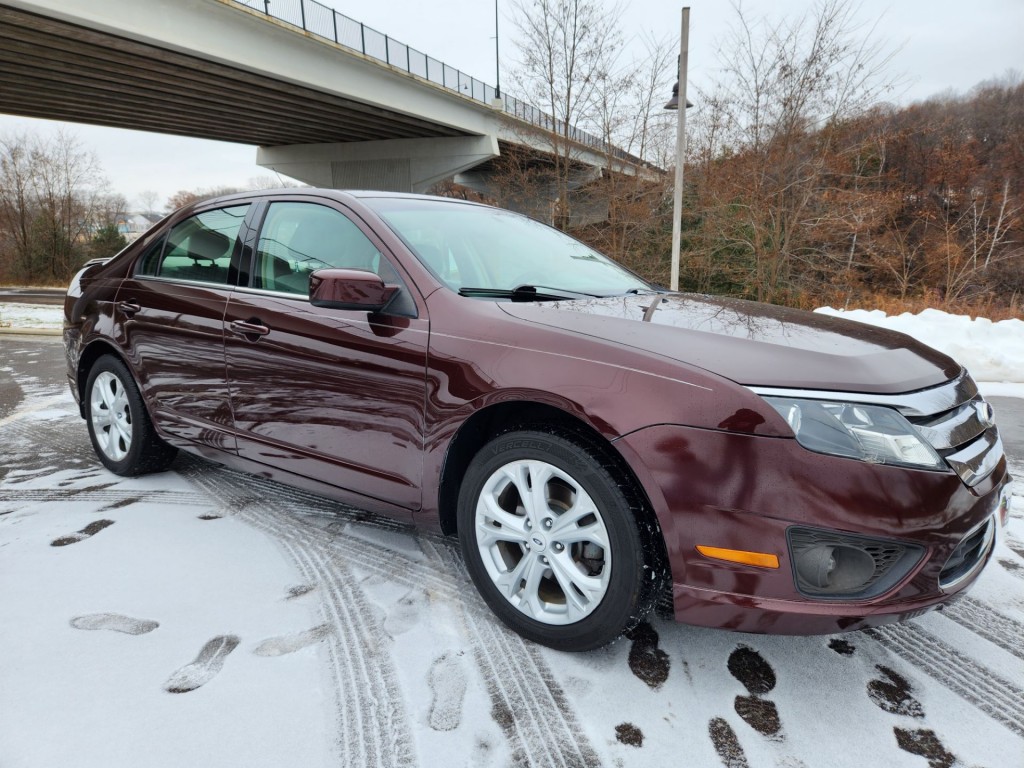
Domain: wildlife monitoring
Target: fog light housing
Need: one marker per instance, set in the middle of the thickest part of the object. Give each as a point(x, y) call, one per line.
point(840, 566)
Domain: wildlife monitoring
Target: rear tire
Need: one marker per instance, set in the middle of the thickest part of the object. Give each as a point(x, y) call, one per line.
point(119, 426)
point(551, 540)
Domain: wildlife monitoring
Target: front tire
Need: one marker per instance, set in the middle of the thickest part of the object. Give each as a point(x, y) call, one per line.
point(550, 540)
point(119, 426)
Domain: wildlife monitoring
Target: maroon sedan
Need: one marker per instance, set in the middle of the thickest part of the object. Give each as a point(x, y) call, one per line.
point(593, 441)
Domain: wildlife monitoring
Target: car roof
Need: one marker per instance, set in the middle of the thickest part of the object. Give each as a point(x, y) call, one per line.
point(351, 196)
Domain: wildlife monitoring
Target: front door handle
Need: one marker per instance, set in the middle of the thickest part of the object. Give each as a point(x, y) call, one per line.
point(129, 307)
point(249, 328)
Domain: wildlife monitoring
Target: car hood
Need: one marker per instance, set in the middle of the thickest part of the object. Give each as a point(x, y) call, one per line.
point(752, 343)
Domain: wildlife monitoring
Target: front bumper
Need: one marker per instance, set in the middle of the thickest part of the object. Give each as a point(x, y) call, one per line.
point(743, 492)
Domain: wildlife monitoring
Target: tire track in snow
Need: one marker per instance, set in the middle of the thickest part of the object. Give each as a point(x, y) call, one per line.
point(42, 495)
point(381, 733)
point(988, 623)
point(539, 724)
point(527, 701)
point(976, 684)
point(373, 727)
point(541, 727)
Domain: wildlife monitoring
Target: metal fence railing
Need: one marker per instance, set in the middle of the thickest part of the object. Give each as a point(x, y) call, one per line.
point(319, 20)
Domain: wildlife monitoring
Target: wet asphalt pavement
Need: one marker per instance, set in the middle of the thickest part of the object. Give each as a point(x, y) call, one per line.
point(48, 296)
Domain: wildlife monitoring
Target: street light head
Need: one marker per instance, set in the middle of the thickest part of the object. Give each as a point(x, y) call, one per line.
point(673, 103)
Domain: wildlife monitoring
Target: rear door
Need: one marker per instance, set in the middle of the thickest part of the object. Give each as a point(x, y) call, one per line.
point(171, 311)
point(334, 395)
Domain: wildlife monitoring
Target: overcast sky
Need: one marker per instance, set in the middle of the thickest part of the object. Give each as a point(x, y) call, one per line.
point(942, 46)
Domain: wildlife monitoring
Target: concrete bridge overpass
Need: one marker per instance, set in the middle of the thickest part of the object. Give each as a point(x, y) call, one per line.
point(327, 100)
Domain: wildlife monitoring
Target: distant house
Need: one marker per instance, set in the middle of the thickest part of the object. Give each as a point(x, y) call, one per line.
point(131, 225)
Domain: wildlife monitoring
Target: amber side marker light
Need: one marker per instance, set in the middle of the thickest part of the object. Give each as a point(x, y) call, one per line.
point(760, 559)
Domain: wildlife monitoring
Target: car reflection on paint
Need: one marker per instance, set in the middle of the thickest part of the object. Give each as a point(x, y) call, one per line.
point(598, 445)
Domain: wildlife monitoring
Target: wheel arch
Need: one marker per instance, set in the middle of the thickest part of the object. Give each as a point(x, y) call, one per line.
point(496, 419)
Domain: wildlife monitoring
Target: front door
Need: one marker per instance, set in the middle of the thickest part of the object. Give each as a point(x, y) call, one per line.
point(329, 394)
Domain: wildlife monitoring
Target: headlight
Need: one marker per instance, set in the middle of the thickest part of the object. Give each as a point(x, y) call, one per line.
point(870, 433)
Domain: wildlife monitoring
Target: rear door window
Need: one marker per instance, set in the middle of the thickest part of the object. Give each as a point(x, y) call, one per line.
point(202, 248)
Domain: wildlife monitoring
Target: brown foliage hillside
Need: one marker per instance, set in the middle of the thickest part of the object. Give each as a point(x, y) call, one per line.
point(921, 204)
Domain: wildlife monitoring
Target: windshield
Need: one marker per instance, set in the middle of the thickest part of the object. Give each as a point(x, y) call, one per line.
point(473, 246)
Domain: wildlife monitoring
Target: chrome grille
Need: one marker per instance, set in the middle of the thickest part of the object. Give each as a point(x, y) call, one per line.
point(953, 417)
point(957, 422)
point(968, 555)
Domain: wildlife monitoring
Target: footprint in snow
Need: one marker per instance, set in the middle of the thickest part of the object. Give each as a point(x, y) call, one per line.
point(723, 737)
point(115, 622)
point(279, 646)
point(206, 666)
point(627, 733)
point(121, 503)
point(406, 613)
point(447, 680)
point(646, 660)
point(893, 693)
point(926, 744)
point(299, 590)
point(757, 676)
point(90, 530)
point(842, 647)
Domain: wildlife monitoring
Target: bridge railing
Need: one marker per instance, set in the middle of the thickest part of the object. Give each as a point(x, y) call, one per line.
point(319, 20)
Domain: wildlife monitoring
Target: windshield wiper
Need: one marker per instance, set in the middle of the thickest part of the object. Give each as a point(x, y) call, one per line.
point(524, 293)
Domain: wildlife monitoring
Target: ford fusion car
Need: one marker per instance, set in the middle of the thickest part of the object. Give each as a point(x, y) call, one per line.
point(598, 445)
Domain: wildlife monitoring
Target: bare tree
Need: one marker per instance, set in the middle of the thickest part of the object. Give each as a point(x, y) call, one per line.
point(974, 238)
point(627, 106)
point(185, 197)
point(777, 112)
point(51, 196)
point(147, 199)
point(566, 50)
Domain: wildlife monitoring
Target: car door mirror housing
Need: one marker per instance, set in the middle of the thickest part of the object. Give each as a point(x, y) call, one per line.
point(353, 289)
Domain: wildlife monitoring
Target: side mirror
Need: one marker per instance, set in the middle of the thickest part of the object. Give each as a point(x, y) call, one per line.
point(354, 289)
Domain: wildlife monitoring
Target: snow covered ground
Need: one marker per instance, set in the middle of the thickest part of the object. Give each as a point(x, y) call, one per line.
point(207, 617)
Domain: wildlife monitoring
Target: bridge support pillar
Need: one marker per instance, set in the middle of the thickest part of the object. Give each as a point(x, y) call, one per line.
point(394, 165)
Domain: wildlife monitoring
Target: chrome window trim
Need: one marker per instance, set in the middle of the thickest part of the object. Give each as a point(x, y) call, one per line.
point(274, 294)
point(924, 402)
point(179, 281)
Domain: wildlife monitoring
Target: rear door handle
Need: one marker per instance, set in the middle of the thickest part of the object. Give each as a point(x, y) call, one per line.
point(129, 307)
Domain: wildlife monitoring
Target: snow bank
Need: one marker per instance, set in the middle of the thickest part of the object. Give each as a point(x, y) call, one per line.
point(31, 316)
point(990, 351)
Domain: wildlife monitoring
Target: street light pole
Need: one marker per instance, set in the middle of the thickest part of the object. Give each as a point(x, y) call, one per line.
point(497, 58)
point(677, 201)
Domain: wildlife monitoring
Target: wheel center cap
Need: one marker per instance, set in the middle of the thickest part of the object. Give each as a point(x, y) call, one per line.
point(539, 542)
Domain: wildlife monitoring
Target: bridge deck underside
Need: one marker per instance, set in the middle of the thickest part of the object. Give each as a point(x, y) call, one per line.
point(59, 71)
